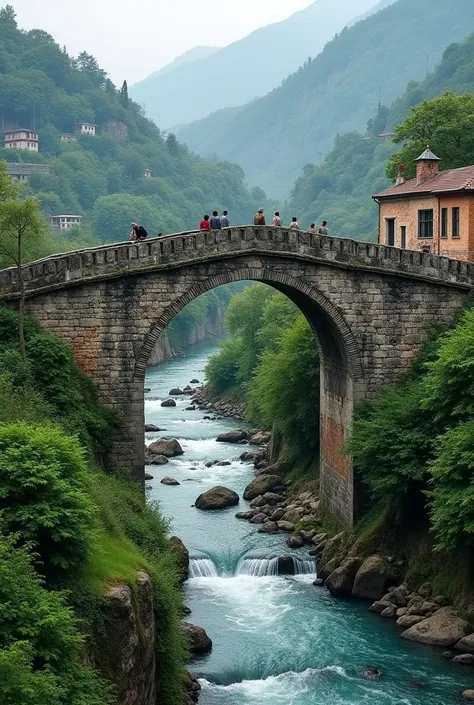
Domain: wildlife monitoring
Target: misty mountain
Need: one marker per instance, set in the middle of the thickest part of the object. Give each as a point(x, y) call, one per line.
point(194, 54)
point(245, 69)
point(275, 136)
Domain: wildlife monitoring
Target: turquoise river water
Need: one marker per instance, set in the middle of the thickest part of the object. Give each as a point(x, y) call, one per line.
point(277, 640)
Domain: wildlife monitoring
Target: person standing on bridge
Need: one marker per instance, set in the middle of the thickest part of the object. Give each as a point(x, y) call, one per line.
point(225, 223)
point(312, 229)
point(294, 224)
point(259, 217)
point(276, 220)
point(215, 221)
point(138, 233)
point(204, 224)
point(323, 228)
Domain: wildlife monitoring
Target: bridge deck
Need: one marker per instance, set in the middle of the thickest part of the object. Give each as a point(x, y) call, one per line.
point(165, 252)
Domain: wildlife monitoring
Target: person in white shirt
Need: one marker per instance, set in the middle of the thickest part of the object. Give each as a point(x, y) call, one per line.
point(277, 220)
point(294, 224)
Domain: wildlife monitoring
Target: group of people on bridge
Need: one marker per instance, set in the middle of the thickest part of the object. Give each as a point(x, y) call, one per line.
point(218, 222)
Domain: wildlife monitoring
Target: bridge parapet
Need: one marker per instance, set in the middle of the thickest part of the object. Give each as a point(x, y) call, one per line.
point(110, 261)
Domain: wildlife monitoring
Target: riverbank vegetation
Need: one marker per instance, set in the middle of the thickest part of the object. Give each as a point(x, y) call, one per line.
point(68, 531)
point(270, 361)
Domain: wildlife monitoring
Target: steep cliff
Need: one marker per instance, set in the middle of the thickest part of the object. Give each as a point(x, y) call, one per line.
point(170, 345)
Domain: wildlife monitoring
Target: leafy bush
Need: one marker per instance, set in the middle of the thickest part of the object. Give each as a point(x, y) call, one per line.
point(39, 640)
point(44, 497)
point(452, 483)
point(285, 389)
point(392, 441)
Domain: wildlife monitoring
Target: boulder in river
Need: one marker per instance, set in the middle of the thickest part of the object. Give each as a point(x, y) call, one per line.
point(464, 659)
point(269, 528)
point(280, 469)
point(182, 556)
point(341, 580)
point(169, 447)
point(294, 541)
point(244, 515)
point(286, 565)
point(233, 436)
point(277, 515)
point(148, 476)
point(168, 402)
point(217, 498)
point(260, 485)
point(440, 630)
point(466, 645)
point(157, 460)
point(151, 428)
point(371, 578)
point(468, 696)
point(169, 481)
point(272, 498)
point(198, 640)
point(176, 392)
point(188, 390)
point(194, 381)
point(372, 673)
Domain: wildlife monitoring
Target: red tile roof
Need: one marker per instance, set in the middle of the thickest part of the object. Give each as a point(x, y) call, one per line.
point(445, 182)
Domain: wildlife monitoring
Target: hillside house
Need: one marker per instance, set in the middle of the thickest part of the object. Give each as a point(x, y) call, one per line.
point(433, 212)
point(148, 173)
point(64, 221)
point(22, 139)
point(68, 137)
point(86, 128)
point(21, 171)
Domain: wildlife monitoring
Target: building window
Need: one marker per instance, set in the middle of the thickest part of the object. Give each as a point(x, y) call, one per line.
point(403, 237)
point(456, 222)
point(390, 226)
point(444, 222)
point(425, 224)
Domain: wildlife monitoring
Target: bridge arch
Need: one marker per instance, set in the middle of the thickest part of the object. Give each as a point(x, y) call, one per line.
point(342, 380)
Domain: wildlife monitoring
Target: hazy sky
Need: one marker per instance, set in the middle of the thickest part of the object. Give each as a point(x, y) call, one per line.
point(133, 38)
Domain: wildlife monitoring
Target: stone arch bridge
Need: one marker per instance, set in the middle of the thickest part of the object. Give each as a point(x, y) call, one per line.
point(370, 307)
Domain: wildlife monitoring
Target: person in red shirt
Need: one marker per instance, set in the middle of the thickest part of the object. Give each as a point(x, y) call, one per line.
point(205, 224)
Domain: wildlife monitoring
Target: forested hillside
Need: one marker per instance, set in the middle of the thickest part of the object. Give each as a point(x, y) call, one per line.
point(103, 177)
point(245, 69)
point(340, 189)
point(274, 137)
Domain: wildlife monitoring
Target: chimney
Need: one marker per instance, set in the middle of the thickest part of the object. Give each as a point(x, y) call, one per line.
point(427, 166)
point(401, 175)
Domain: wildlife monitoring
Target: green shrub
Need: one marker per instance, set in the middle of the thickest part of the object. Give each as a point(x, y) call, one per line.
point(222, 369)
point(284, 392)
point(44, 497)
point(392, 441)
point(452, 487)
point(40, 644)
point(20, 403)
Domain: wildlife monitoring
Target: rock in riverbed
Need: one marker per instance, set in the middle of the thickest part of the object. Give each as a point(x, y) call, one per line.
point(198, 640)
point(341, 580)
point(157, 460)
point(233, 436)
point(169, 447)
point(440, 630)
point(182, 556)
point(371, 578)
point(169, 481)
point(168, 402)
point(151, 428)
point(217, 498)
point(260, 485)
point(176, 392)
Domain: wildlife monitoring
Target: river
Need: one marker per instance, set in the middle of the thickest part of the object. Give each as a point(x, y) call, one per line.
point(276, 640)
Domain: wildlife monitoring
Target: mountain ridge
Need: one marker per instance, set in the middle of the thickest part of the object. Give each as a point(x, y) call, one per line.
point(196, 89)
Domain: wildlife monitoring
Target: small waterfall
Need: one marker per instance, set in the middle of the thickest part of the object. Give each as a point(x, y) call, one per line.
point(202, 568)
point(304, 566)
point(258, 567)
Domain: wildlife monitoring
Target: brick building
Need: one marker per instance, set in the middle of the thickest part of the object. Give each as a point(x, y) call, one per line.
point(432, 212)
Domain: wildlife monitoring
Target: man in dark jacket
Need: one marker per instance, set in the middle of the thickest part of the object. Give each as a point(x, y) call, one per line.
point(215, 221)
point(138, 233)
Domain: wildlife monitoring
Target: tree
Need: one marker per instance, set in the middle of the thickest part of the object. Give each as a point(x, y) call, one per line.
point(88, 65)
point(124, 94)
point(172, 143)
point(22, 234)
point(8, 14)
point(444, 123)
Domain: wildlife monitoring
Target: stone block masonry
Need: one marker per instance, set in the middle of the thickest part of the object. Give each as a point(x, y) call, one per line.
point(369, 305)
